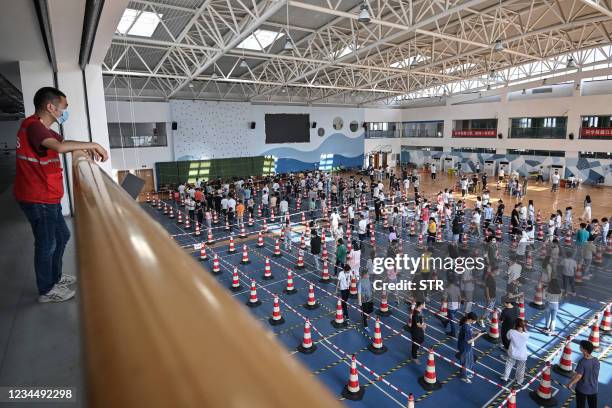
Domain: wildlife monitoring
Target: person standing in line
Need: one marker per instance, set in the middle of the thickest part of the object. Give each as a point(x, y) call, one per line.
point(340, 256)
point(315, 247)
point(39, 188)
point(465, 345)
point(553, 296)
point(365, 298)
point(507, 317)
point(490, 293)
point(517, 353)
point(344, 286)
point(433, 171)
point(586, 378)
point(453, 296)
point(568, 271)
point(417, 331)
point(587, 213)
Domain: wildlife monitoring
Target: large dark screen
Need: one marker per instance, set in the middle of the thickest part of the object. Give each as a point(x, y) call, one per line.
point(287, 128)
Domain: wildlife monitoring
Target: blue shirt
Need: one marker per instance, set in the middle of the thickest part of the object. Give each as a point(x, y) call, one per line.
point(465, 334)
point(582, 236)
point(589, 369)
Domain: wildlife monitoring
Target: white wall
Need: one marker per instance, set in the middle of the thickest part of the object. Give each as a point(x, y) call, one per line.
point(140, 112)
point(221, 129)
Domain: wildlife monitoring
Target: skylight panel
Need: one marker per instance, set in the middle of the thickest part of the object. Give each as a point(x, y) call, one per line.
point(260, 39)
point(138, 23)
point(408, 62)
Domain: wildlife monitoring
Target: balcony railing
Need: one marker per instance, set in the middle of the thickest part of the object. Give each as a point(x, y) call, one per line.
point(158, 330)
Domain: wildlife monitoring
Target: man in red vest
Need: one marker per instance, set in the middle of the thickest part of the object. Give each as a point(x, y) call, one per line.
point(39, 187)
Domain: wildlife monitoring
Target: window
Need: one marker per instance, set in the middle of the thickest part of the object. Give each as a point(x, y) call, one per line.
point(260, 39)
point(123, 135)
point(327, 162)
point(380, 130)
point(539, 128)
point(474, 150)
point(550, 122)
point(199, 170)
point(269, 165)
point(428, 148)
point(595, 155)
point(423, 129)
point(139, 23)
point(528, 152)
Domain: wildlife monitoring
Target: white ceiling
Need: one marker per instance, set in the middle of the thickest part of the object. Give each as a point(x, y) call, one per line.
point(193, 53)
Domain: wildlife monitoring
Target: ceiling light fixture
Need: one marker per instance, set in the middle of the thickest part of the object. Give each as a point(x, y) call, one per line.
point(190, 85)
point(288, 44)
point(243, 63)
point(571, 63)
point(499, 46)
point(364, 13)
point(213, 75)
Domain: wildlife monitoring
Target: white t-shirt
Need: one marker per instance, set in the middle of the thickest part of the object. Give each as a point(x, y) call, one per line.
point(231, 204)
point(363, 224)
point(555, 178)
point(433, 168)
point(224, 204)
point(518, 345)
point(344, 280)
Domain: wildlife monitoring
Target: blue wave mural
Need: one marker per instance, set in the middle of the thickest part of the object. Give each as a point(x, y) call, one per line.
point(286, 165)
point(336, 143)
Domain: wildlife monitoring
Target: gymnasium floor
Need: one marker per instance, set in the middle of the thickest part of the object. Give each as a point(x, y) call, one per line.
point(389, 378)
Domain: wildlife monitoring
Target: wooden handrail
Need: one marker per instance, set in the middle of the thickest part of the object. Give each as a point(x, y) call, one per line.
point(159, 331)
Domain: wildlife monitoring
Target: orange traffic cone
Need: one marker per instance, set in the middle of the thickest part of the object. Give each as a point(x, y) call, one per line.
point(383, 310)
point(167, 211)
point(493, 334)
point(232, 247)
point(179, 220)
point(410, 401)
point(277, 252)
point(253, 300)
point(543, 395)
point(521, 306)
point(276, 318)
point(540, 236)
point(216, 268)
point(245, 255)
point(203, 255)
point(187, 222)
point(568, 238)
point(265, 227)
point(302, 242)
point(197, 229)
point(412, 229)
point(235, 287)
point(353, 288)
point(512, 399)
point(352, 391)
point(598, 256)
point(538, 299)
point(300, 260)
point(251, 222)
point(377, 346)
point(227, 226)
point(260, 241)
point(259, 211)
point(372, 238)
point(339, 321)
point(429, 382)
point(324, 255)
point(311, 304)
point(578, 278)
point(307, 345)
point(209, 237)
point(290, 289)
point(565, 362)
point(215, 218)
point(594, 336)
point(148, 198)
point(443, 312)
point(606, 321)
point(267, 271)
point(325, 274)
point(242, 233)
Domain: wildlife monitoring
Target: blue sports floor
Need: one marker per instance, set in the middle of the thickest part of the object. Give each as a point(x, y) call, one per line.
point(389, 378)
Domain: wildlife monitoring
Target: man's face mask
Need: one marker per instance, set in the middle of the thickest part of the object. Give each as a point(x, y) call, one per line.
point(63, 115)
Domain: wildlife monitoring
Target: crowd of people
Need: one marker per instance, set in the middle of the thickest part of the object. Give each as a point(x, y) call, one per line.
point(447, 222)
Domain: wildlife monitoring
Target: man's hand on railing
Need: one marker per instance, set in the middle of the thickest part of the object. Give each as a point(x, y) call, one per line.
point(97, 152)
